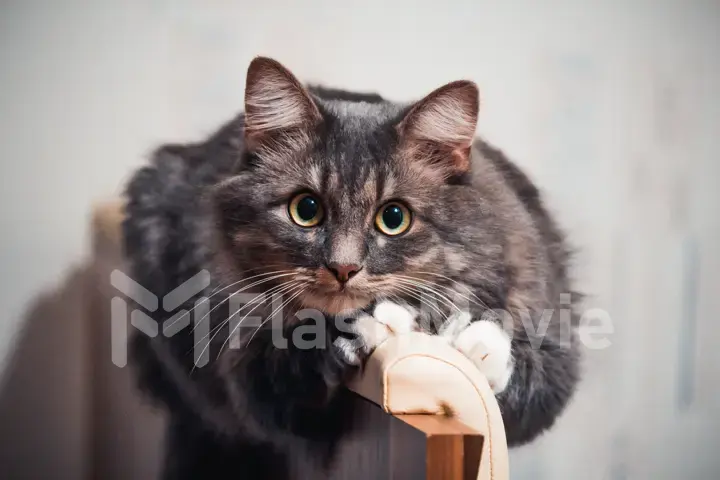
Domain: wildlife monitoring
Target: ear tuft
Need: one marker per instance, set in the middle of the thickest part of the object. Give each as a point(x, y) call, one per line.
point(443, 123)
point(275, 101)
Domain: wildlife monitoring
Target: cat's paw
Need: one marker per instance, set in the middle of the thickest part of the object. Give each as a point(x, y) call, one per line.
point(486, 344)
point(396, 318)
point(387, 319)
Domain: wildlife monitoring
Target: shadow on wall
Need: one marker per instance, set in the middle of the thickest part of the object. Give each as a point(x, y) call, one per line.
point(66, 412)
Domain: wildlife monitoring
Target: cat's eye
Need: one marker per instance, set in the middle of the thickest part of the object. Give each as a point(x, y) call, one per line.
point(306, 210)
point(393, 218)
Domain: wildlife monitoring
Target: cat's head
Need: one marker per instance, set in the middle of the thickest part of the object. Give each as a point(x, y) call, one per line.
point(346, 201)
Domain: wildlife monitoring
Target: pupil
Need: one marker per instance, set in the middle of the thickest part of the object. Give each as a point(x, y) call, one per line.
point(393, 217)
point(307, 208)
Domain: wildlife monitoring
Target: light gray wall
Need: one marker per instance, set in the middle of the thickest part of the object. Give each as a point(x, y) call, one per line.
point(611, 106)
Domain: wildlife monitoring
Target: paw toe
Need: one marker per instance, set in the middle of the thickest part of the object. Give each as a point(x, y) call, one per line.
point(398, 318)
point(489, 347)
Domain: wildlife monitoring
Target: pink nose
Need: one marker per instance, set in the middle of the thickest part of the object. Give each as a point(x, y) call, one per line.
point(344, 272)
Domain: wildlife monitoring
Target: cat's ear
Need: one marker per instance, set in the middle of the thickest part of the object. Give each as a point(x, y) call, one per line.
point(439, 129)
point(278, 109)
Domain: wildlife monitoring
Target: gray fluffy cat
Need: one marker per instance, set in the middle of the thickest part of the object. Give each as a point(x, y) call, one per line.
point(385, 218)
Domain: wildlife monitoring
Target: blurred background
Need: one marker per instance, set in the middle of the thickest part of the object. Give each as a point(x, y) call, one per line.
point(611, 106)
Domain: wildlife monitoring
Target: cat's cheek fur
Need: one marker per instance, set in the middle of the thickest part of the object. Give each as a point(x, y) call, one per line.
point(487, 345)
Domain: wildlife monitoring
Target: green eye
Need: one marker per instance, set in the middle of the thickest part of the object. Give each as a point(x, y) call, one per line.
point(393, 218)
point(305, 210)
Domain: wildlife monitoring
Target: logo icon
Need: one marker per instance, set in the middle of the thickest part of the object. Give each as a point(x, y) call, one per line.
point(144, 321)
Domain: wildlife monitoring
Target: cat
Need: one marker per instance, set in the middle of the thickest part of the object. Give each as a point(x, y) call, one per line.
point(382, 216)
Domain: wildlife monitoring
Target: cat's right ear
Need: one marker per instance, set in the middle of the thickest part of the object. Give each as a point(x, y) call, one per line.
point(279, 112)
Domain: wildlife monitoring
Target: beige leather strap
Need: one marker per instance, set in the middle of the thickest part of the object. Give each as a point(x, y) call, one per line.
point(419, 373)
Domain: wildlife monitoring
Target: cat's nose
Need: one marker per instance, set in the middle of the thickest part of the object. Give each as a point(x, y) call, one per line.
point(344, 272)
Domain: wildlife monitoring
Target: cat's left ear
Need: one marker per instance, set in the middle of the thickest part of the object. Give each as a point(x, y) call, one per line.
point(279, 111)
point(438, 130)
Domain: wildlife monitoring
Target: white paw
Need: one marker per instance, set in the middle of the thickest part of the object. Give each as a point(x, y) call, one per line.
point(486, 344)
point(397, 318)
point(388, 319)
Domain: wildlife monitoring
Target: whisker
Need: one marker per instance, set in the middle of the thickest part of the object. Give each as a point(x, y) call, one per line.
point(244, 272)
point(420, 298)
point(429, 289)
point(272, 290)
point(216, 291)
point(482, 304)
point(293, 297)
point(216, 329)
point(256, 283)
point(422, 301)
point(428, 283)
point(289, 286)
